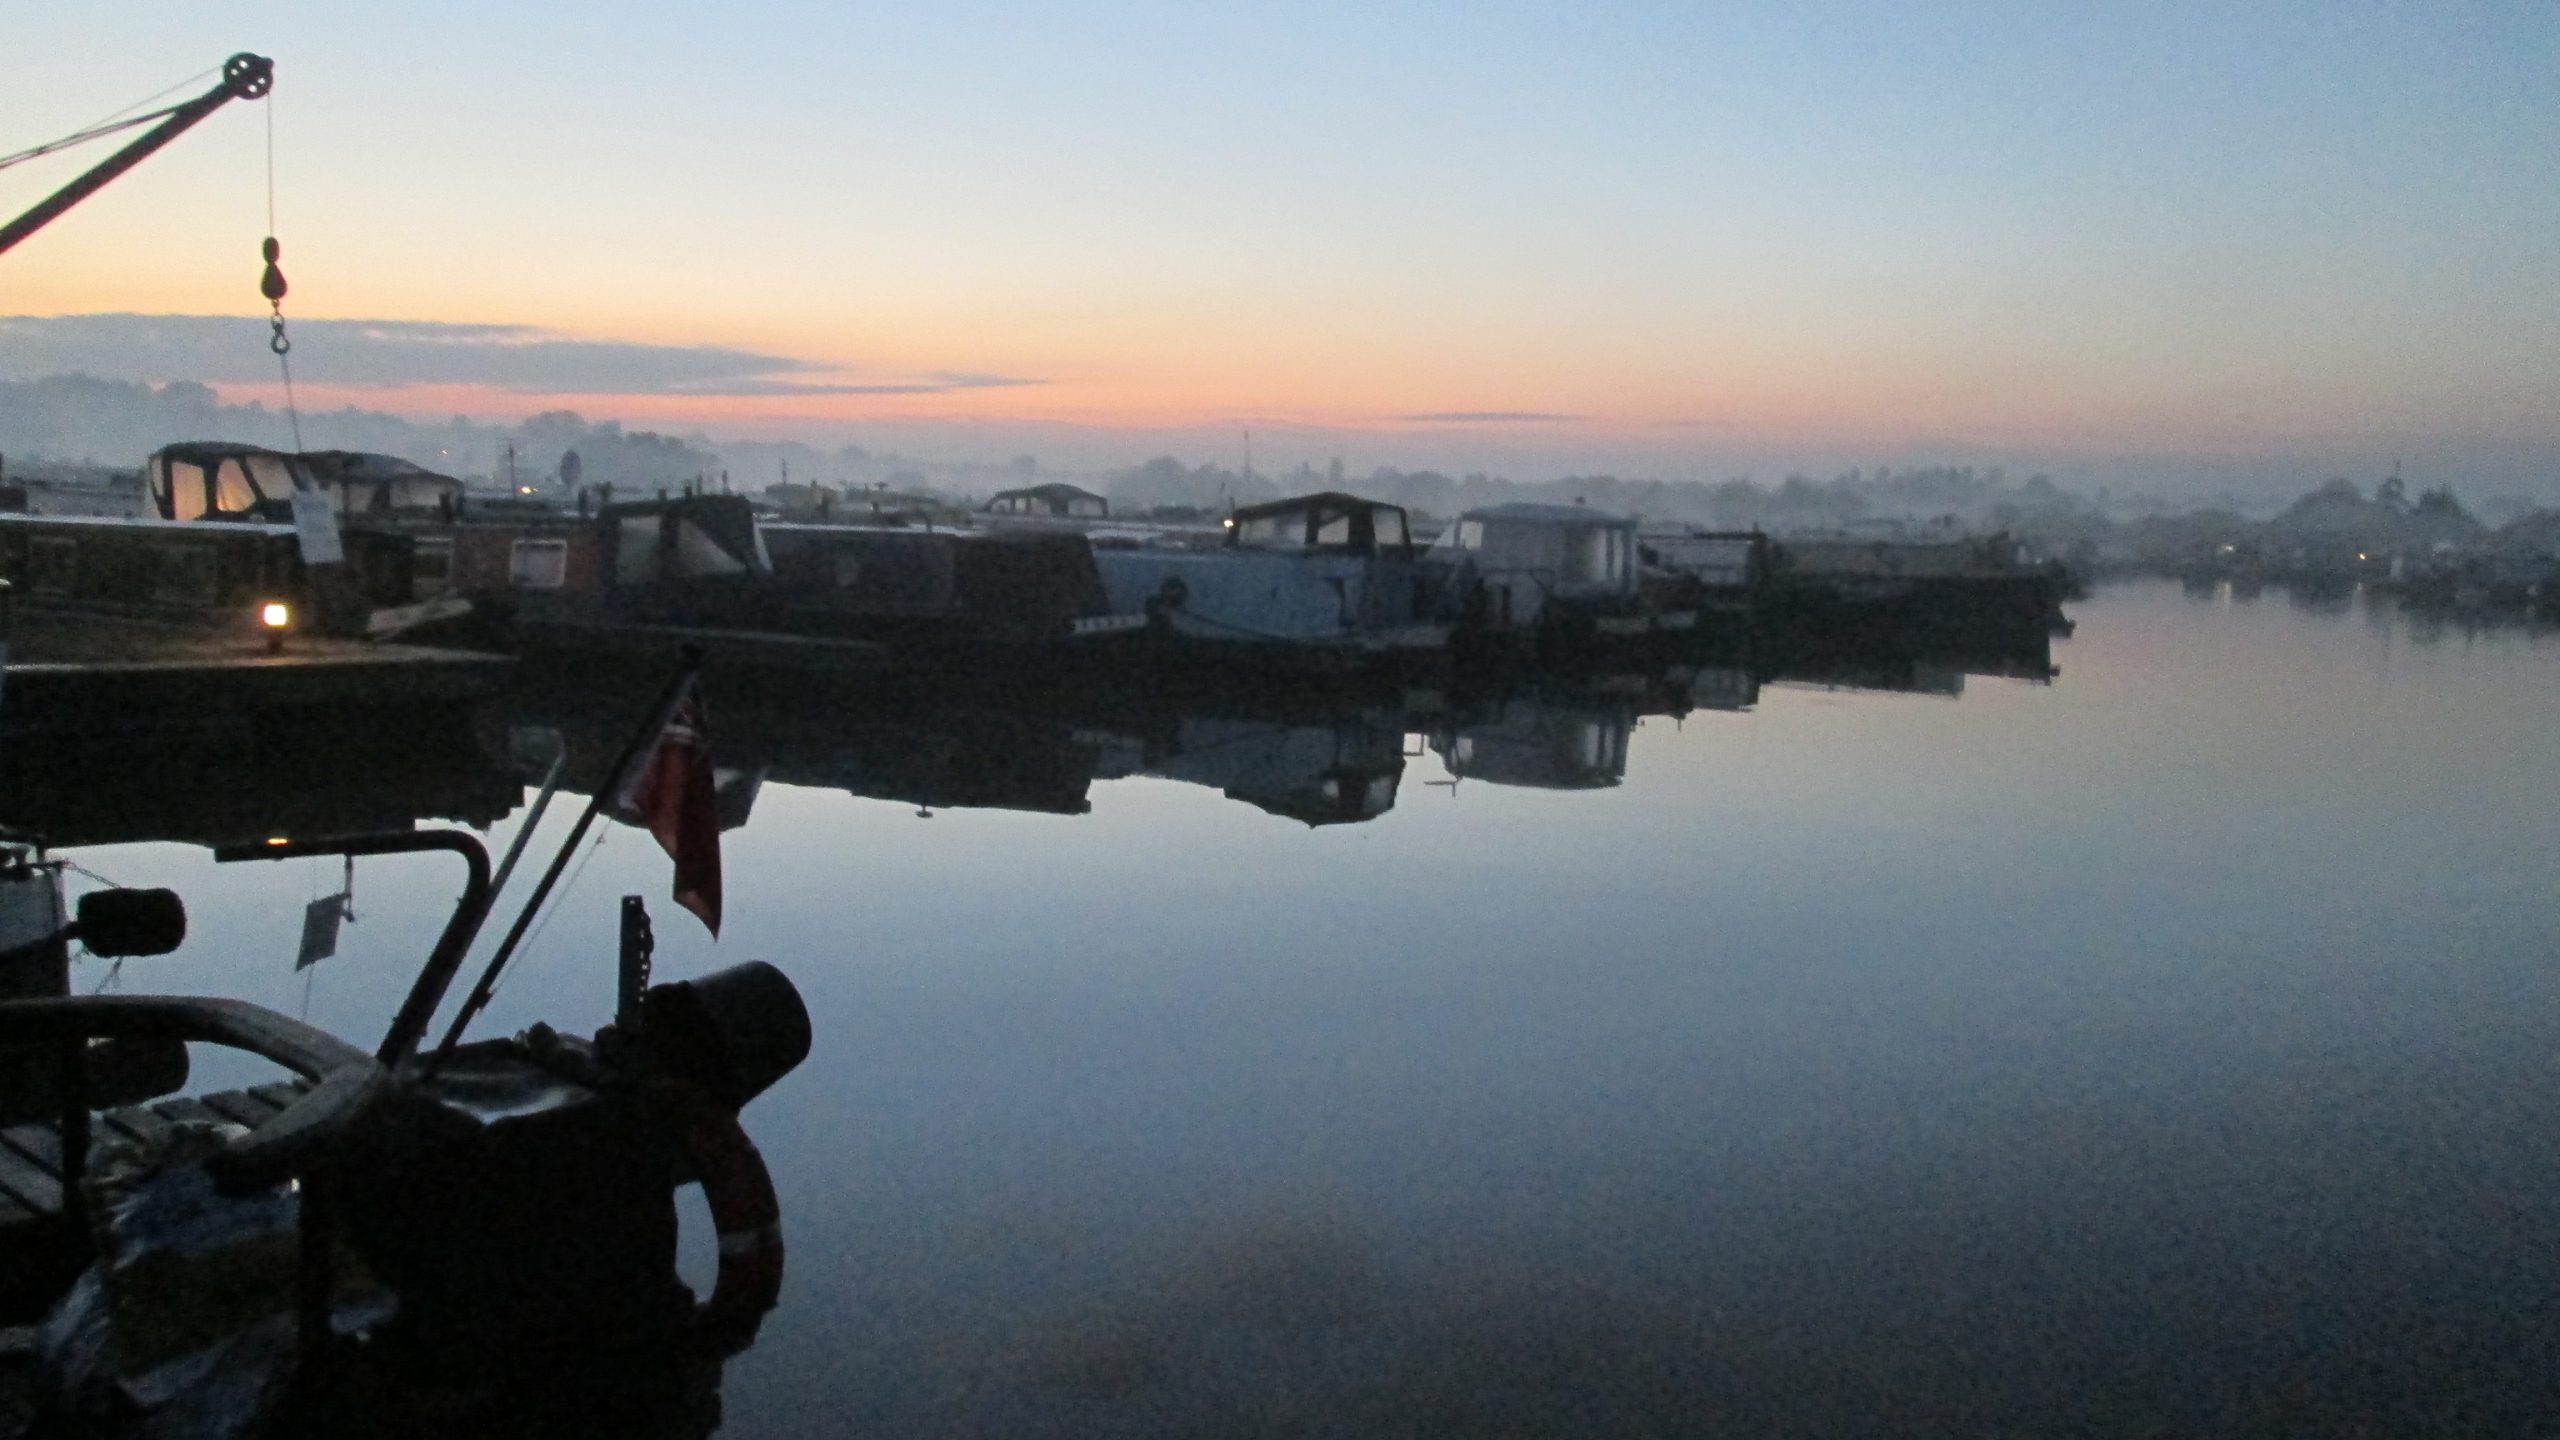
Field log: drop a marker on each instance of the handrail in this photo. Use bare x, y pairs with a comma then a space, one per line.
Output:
443, 962
303, 1049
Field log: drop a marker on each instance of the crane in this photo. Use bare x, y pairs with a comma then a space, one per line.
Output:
244, 77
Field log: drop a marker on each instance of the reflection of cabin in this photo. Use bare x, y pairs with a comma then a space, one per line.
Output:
1342, 771
1540, 745
1721, 687
1068, 502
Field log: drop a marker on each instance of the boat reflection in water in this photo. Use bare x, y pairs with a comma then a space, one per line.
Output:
1327, 763
1576, 738
246, 780
1323, 758
1338, 770
1542, 742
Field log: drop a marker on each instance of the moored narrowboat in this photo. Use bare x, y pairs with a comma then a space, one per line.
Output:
1323, 580
1562, 579
224, 540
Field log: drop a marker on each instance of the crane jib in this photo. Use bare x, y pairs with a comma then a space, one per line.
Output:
244, 77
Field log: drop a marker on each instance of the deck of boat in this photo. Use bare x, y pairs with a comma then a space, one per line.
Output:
35, 1260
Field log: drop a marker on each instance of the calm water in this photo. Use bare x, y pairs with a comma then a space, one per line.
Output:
2168, 1049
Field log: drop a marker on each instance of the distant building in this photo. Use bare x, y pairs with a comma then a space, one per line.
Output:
1055, 498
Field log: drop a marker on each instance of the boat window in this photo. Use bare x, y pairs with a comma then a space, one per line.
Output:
1593, 752
431, 569
538, 564
1594, 555
1389, 526
1470, 534
188, 491
232, 492
532, 748
635, 559
1334, 529
270, 476
1274, 532
698, 554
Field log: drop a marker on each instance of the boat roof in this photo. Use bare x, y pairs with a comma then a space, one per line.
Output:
199, 451
1051, 490
339, 466
1321, 499
1539, 513
367, 465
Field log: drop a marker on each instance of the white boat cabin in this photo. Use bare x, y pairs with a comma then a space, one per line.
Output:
1522, 561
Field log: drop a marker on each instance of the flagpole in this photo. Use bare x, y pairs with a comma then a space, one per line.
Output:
642, 741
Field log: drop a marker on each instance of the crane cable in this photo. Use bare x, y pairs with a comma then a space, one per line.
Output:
110, 124
271, 285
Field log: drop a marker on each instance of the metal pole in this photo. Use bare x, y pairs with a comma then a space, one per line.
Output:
640, 743
244, 77
532, 819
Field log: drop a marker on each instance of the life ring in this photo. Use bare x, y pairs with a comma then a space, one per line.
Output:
749, 1219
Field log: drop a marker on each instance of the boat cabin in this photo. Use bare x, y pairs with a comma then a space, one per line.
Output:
1327, 571
223, 481
555, 563
1521, 566
164, 566
1055, 499
1344, 524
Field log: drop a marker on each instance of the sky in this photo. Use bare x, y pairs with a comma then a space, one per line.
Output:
2174, 242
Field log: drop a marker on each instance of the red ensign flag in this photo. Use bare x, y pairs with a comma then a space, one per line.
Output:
674, 798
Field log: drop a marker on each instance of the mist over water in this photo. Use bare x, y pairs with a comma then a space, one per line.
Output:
2166, 1049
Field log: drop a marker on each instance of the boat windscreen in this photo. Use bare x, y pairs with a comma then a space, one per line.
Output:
270, 476
1286, 531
